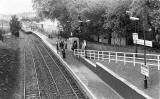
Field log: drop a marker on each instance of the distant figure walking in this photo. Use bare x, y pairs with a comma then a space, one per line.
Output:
61, 44
65, 44
1, 35
57, 46
63, 53
84, 45
74, 45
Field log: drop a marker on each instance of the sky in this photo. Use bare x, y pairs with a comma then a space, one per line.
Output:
15, 6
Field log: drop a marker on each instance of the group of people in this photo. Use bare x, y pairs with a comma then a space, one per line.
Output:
61, 46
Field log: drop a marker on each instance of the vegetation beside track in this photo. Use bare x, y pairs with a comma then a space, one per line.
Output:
9, 67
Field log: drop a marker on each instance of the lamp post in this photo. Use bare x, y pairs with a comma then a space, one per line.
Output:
81, 22
69, 28
144, 17
134, 19
144, 34
2, 29
2, 24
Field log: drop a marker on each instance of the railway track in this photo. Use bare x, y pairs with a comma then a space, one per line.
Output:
77, 90
44, 75
66, 85
31, 83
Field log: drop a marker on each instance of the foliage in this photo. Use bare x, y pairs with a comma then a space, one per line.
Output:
149, 13
107, 16
117, 21
37, 19
1, 34
69, 10
49, 8
15, 26
116, 18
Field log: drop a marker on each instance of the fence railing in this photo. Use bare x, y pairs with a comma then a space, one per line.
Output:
152, 60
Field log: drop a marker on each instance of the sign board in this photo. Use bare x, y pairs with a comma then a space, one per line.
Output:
135, 36
141, 42
145, 70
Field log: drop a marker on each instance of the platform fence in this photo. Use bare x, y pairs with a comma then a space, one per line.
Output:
152, 60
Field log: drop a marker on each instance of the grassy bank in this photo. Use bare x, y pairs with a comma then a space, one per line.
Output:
9, 67
106, 47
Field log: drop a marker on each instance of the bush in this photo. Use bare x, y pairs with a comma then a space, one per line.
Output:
1, 34
15, 26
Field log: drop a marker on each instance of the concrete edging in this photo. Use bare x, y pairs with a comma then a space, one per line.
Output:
115, 75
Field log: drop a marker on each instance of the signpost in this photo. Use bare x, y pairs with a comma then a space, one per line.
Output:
145, 70
135, 36
141, 42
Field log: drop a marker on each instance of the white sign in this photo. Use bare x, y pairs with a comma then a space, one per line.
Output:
135, 36
145, 70
141, 42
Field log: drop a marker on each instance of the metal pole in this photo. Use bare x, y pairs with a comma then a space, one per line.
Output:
2, 24
136, 40
2, 31
144, 17
144, 45
136, 49
58, 34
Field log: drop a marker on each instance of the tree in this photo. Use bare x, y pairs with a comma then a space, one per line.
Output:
104, 14
152, 18
50, 8
116, 20
15, 26
94, 11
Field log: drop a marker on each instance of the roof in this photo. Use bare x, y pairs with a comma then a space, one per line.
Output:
47, 22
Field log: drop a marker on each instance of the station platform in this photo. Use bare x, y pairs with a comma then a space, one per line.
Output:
93, 85
98, 81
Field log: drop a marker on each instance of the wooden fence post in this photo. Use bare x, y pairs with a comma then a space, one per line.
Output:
109, 56
134, 59
102, 56
98, 55
124, 58
116, 57
158, 62
94, 55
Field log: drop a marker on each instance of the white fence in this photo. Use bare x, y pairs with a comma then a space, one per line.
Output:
152, 60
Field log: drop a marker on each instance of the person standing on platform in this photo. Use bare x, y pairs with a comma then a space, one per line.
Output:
84, 47
74, 46
57, 45
65, 44
61, 44
63, 53
84, 44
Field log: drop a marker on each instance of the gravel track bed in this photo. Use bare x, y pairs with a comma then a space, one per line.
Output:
45, 76
47, 88
61, 84
31, 87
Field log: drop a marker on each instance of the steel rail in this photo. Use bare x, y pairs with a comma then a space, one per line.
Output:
60, 70
49, 71
39, 93
24, 76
